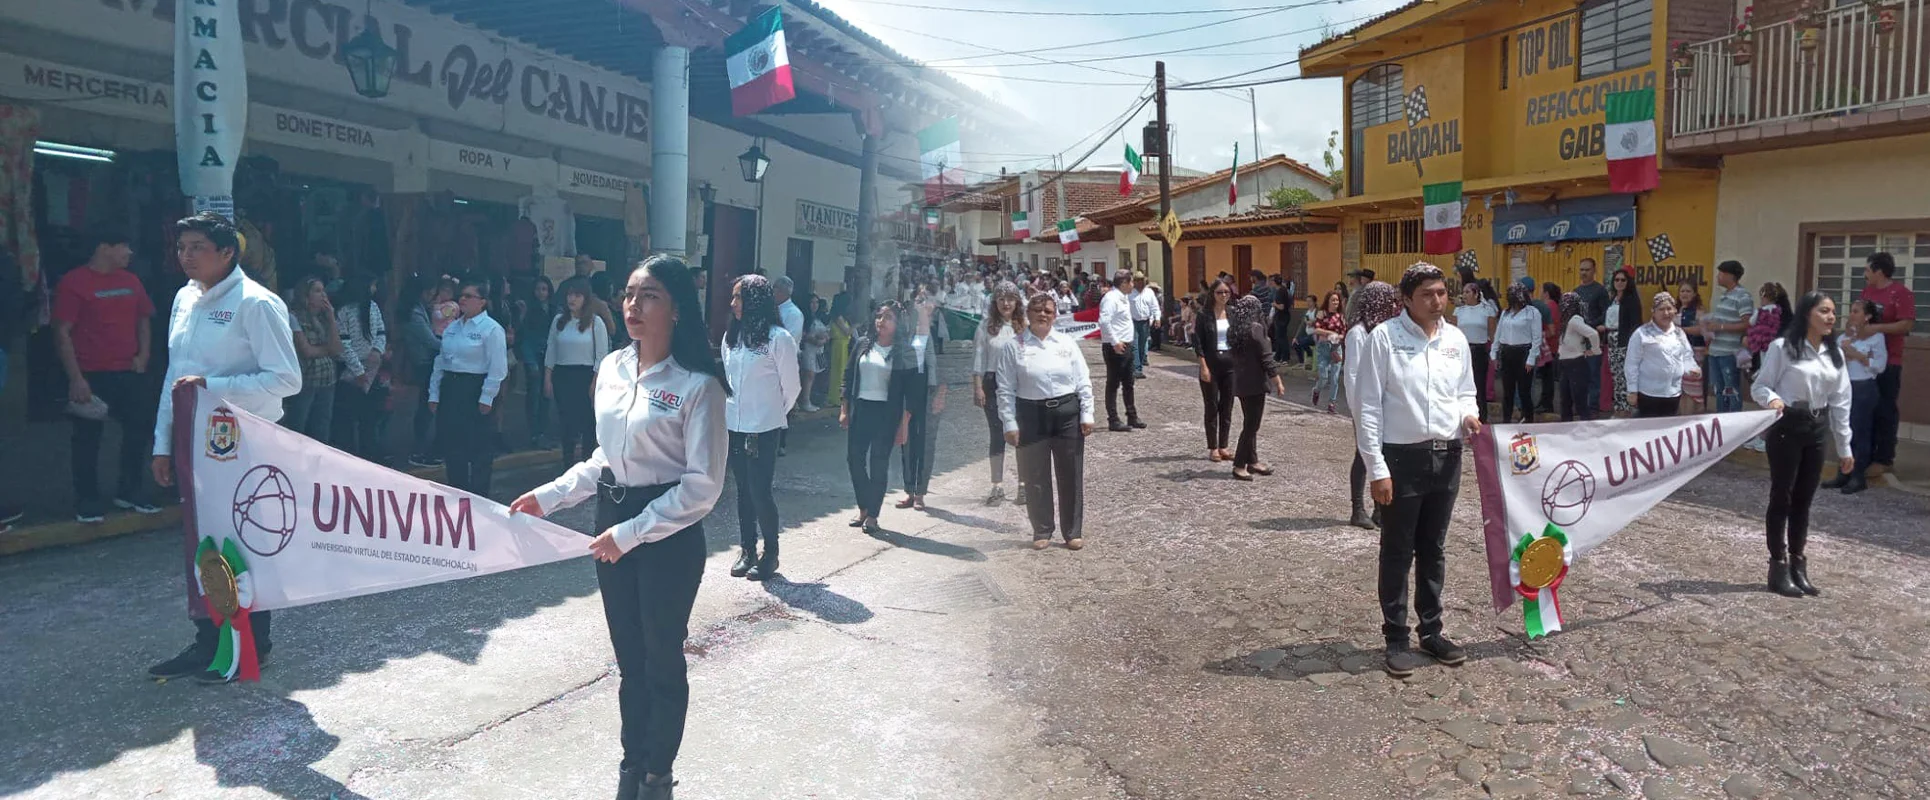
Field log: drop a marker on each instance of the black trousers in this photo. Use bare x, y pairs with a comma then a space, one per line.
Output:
574, 390
1480, 364
1575, 382
1413, 534
1517, 383
1863, 400
1652, 406
1357, 480
1052, 450
1217, 396
868, 451
989, 383
1547, 376
465, 436
424, 420
753, 460
357, 411
128, 403
1119, 375
916, 458
1889, 387
1248, 452
647, 598
1795, 448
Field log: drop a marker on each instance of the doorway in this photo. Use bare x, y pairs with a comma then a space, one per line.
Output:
797, 266
733, 240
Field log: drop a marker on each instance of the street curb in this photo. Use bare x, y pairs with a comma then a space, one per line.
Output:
28, 538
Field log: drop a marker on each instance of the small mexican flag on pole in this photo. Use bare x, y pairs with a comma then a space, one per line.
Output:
1629, 141
759, 68
1021, 225
1069, 235
1129, 175
938, 158
1233, 183
1441, 218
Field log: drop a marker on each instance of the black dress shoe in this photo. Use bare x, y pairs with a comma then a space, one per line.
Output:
766, 567
629, 784
1135, 423
1779, 581
1117, 427
746, 558
1400, 661
655, 787
1841, 480
1799, 575
1856, 484
1444, 650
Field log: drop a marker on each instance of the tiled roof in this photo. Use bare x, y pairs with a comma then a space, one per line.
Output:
1260, 221
1365, 25
1138, 209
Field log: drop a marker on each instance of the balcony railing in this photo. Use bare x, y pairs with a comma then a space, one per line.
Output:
1860, 57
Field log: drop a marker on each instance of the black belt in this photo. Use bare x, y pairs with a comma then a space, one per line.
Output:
609, 489
1052, 402
1430, 446
1805, 412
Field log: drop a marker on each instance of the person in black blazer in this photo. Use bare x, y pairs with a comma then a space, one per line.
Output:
1251, 355
1212, 342
886, 373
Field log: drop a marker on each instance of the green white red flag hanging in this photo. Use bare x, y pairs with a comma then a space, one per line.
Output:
938, 159
1233, 181
758, 66
1441, 218
229, 590
1129, 174
1629, 141
1536, 567
1069, 235
1021, 225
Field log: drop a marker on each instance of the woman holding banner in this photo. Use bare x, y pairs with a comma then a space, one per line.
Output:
1803, 376
657, 471
1659, 358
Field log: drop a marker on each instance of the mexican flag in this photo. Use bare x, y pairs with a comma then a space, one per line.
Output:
938, 159
1441, 218
1630, 141
759, 68
1021, 225
1069, 235
1129, 175
931, 218
1233, 183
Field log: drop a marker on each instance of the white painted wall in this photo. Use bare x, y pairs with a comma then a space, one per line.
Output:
1763, 197
1211, 200
794, 175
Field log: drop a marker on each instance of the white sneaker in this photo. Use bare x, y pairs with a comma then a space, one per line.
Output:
808, 408
1756, 445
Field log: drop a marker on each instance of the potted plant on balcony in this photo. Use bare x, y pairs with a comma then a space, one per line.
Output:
1742, 46
1681, 61
1810, 17
1882, 16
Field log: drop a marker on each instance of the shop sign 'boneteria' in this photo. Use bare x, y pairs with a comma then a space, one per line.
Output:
444, 69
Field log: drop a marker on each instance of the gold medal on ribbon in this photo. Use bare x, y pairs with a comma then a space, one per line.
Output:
218, 582
1541, 563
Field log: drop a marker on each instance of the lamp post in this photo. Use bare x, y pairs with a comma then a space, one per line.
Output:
370, 61
754, 164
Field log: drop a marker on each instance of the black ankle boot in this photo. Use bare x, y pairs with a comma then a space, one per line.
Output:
1779, 579
629, 784
766, 567
746, 558
1361, 520
655, 787
1841, 480
1799, 575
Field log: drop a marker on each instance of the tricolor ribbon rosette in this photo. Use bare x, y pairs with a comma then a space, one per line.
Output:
1536, 568
229, 589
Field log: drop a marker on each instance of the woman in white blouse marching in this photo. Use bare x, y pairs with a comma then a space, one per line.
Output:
578, 340
1803, 376
1515, 349
462, 389
657, 471
760, 360
874, 409
1214, 348
1659, 357
1045, 404
1867, 357
1002, 322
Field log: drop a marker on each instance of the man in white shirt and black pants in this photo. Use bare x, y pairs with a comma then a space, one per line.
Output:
231, 335
1145, 312
1416, 398
792, 318
1116, 337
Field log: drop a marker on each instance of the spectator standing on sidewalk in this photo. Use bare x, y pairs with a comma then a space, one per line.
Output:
422, 343
1623, 317
311, 411
1251, 376
1594, 297
1899, 309
1866, 354
1724, 326
101, 316
1477, 316
1374, 304
1579, 342
1116, 340
468, 374
1659, 359
792, 318
1145, 309
361, 394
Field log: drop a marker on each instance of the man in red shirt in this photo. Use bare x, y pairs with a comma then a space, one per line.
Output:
1900, 315
101, 326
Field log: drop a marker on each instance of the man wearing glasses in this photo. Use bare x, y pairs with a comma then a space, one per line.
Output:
230, 335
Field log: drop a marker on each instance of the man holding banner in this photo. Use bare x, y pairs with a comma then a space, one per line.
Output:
230, 335
1416, 397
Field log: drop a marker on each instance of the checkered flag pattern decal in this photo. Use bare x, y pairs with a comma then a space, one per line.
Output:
1467, 260
1660, 248
1416, 106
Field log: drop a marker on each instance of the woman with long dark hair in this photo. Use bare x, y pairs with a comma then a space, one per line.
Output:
1045, 408
760, 361
361, 394
1516, 349
1804, 378
1624, 316
468, 373
1003, 319
1688, 299
924, 401
1330, 331
1252, 372
1477, 317
1213, 342
874, 408
1375, 303
1579, 341
1659, 359
318, 344
575, 344
656, 472
1866, 354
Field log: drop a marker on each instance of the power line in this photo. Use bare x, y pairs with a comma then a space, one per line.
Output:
1078, 60
1057, 48
1041, 59
1003, 12
1215, 85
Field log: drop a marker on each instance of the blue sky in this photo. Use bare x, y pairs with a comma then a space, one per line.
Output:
1294, 117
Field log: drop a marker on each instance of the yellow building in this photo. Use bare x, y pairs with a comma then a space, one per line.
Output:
1507, 98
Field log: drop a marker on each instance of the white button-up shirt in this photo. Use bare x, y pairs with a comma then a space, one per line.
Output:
764, 383
1520, 327
792, 318
1657, 360
1031, 368
1814, 382
986, 349
1876, 348
574, 347
1579, 339
477, 346
1352, 347
1145, 305
663, 424
1412, 388
1115, 318
1473, 320
236, 335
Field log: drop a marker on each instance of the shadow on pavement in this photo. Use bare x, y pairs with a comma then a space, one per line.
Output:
1298, 524
1327, 661
927, 546
1670, 590
819, 601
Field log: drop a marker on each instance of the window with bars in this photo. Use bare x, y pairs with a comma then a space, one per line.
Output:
1840, 260
1615, 36
1377, 96
1390, 236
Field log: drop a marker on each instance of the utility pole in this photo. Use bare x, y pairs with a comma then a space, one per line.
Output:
1253, 101
1165, 180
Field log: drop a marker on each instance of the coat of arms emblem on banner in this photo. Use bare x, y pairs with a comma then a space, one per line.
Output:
224, 435
1524, 456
